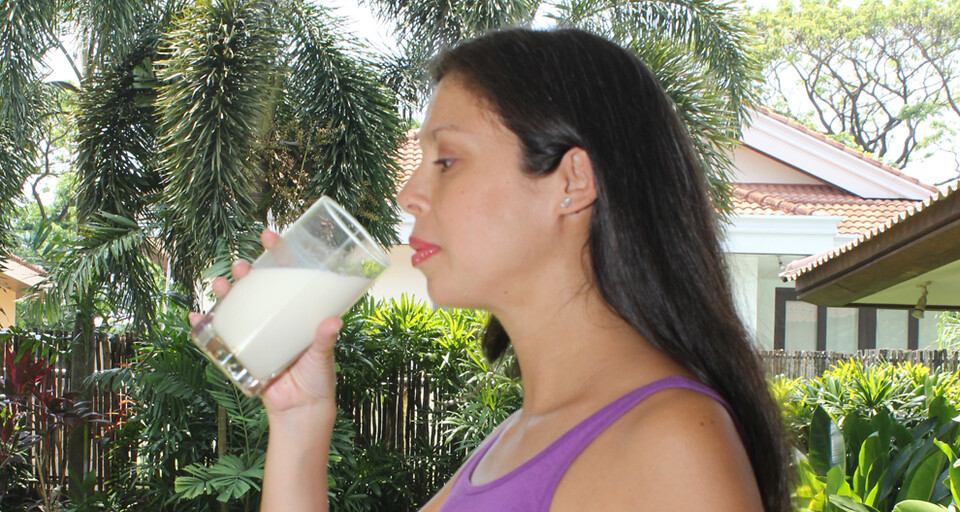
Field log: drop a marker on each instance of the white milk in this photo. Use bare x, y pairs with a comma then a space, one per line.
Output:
271, 315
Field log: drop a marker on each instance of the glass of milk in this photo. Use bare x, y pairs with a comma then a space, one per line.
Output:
321, 266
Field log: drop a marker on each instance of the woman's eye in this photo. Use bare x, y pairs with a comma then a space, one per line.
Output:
444, 163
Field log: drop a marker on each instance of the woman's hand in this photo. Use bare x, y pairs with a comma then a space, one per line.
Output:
301, 409
308, 384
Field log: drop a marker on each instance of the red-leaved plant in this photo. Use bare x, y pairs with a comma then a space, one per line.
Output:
32, 410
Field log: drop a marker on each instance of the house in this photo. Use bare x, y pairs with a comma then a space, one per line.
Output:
16, 276
796, 193
911, 262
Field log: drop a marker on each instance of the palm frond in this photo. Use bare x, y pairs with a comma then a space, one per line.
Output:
110, 258
116, 164
701, 104
25, 28
110, 27
16, 163
429, 25
217, 82
711, 30
24, 37
335, 95
433, 24
405, 73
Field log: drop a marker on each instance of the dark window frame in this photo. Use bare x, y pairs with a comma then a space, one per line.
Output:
866, 324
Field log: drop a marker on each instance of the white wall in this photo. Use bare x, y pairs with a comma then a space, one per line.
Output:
752, 166
401, 278
753, 281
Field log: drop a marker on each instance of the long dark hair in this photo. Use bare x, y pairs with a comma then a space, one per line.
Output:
653, 233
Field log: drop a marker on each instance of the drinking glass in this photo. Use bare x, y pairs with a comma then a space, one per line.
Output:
320, 267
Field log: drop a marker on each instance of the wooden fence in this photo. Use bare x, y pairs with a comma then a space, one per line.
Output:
810, 364
49, 455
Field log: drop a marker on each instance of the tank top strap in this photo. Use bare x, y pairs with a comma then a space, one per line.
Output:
532, 485
466, 471
566, 449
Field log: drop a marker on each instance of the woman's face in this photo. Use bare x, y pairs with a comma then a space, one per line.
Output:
482, 226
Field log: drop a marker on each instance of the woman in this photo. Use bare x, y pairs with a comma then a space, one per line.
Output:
559, 192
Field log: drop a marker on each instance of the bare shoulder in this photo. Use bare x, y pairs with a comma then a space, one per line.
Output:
677, 450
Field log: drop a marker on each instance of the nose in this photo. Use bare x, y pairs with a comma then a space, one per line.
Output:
411, 197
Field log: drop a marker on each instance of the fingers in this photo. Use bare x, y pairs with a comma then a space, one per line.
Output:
194, 317
220, 287
240, 269
269, 238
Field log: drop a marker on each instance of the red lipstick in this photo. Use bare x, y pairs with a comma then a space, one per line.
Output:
423, 250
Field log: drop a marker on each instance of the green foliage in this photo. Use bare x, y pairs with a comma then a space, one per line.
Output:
402, 355
230, 478
34, 410
216, 83
347, 128
116, 140
948, 328
390, 355
875, 438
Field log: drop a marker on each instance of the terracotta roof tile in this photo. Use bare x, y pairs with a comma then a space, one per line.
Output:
842, 147
409, 156
858, 214
799, 267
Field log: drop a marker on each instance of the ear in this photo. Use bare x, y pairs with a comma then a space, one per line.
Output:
575, 175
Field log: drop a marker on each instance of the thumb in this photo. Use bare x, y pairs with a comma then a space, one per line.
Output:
315, 372
322, 348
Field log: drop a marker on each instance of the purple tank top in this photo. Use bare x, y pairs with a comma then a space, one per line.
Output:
530, 487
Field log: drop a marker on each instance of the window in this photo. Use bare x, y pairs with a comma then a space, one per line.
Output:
802, 326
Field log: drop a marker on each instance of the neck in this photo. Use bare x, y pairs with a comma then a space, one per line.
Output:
577, 349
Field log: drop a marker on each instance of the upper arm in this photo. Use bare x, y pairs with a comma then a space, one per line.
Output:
678, 450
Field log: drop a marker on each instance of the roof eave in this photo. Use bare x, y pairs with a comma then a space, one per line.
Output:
914, 246
811, 153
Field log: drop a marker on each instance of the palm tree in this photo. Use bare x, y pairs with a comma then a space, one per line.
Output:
193, 121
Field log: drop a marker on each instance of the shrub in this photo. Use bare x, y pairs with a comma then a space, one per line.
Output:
874, 438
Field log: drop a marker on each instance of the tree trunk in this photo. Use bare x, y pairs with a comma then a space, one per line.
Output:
81, 360
222, 441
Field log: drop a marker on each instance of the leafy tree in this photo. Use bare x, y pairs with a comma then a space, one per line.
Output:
883, 76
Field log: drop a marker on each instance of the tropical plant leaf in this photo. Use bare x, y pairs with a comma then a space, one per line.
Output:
920, 479
848, 504
826, 443
918, 506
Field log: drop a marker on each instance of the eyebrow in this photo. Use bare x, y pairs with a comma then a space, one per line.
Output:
446, 127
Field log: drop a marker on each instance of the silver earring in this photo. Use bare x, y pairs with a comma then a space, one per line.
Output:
565, 203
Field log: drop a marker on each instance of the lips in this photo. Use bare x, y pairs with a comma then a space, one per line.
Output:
424, 250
